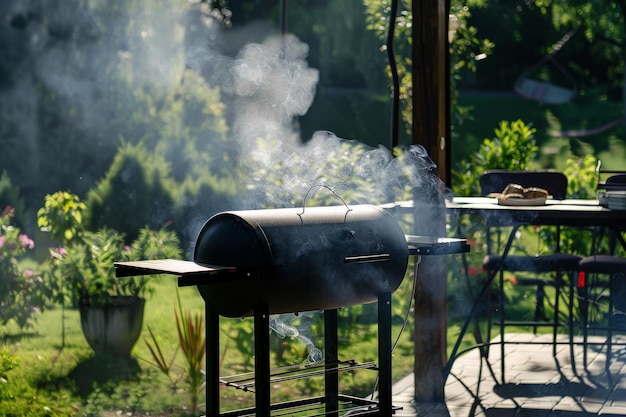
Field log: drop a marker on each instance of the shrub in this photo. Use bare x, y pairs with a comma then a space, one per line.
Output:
134, 193
512, 148
22, 292
10, 196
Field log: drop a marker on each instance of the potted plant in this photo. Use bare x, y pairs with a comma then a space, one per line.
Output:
111, 309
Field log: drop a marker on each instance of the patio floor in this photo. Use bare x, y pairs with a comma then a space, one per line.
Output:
536, 385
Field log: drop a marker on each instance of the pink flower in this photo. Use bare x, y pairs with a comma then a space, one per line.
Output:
62, 251
26, 241
28, 272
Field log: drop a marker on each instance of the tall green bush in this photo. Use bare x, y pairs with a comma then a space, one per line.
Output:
135, 192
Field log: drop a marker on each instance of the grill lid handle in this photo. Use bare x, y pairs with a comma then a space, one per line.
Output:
363, 259
348, 209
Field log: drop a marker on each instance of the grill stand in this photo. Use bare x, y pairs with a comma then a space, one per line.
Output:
191, 273
383, 407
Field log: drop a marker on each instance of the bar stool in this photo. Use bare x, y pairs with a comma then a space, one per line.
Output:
602, 301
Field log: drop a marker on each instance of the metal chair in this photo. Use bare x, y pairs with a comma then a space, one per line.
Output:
614, 182
546, 270
602, 300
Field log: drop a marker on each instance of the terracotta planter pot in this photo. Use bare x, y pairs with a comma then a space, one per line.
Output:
114, 328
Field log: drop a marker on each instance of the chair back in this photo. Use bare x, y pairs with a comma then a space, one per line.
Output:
617, 179
494, 181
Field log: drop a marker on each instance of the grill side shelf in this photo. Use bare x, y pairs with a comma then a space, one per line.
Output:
430, 245
168, 266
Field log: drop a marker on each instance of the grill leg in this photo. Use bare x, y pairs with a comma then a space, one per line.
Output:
384, 355
331, 359
262, 359
212, 362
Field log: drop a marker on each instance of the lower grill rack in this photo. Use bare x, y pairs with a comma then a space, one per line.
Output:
246, 381
312, 406
315, 406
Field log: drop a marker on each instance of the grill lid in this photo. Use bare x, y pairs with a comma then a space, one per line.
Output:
316, 258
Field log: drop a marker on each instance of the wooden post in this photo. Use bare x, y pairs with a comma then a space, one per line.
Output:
431, 84
431, 129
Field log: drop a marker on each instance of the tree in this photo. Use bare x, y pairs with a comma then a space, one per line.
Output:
603, 23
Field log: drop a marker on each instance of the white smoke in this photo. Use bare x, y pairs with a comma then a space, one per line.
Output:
279, 324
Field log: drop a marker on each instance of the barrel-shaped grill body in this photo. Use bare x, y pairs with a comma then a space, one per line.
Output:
317, 258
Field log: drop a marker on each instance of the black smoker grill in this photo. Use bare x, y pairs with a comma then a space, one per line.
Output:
262, 262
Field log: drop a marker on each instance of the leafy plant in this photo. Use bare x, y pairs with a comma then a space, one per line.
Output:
582, 177
10, 196
512, 148
82, 271
23, 292
86, 266
62, 216
8, 361
192, 344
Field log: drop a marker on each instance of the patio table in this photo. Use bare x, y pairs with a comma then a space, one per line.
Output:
569, 212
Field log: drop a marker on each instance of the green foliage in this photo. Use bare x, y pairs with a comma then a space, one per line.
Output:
582, 177
10, 196
62, 216
162, 364
192, 344
241, 333
512, 148
8, 361
193, 138
135, 192
19, 398
602, 23
582, 181
23, 293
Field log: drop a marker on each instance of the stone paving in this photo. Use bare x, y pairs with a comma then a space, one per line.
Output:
536, 383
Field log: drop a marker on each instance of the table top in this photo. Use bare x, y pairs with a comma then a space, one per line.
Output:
569, 212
